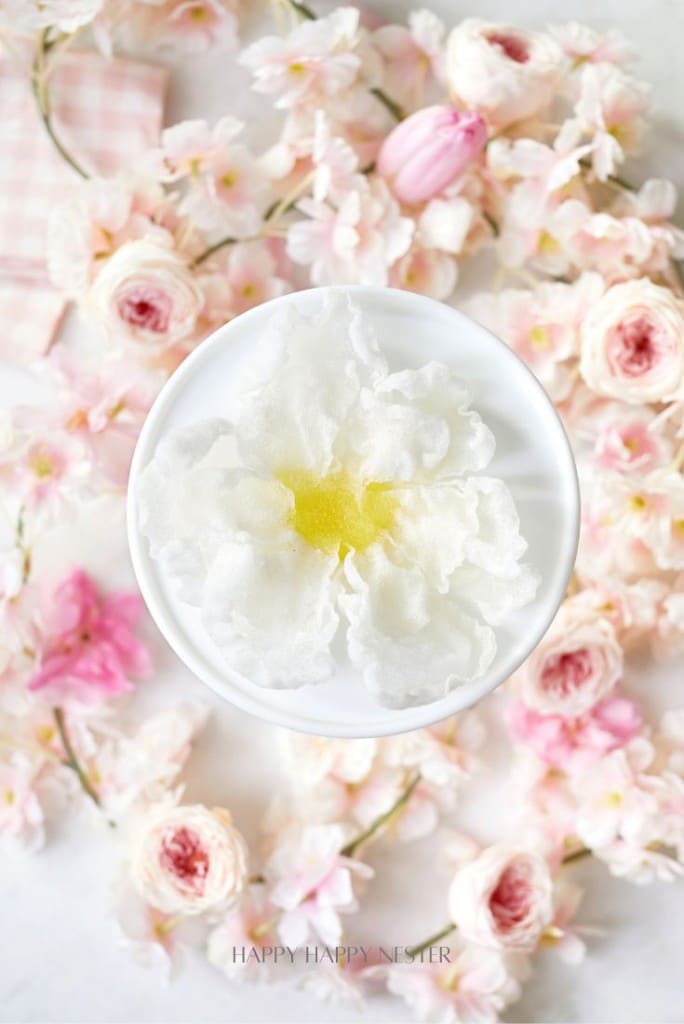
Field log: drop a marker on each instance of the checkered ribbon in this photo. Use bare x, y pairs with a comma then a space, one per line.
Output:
105, 112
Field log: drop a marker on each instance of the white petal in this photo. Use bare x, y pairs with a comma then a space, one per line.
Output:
494, 597
498, 544
311, 373
412, 644
436, 391
271, 611
431, 527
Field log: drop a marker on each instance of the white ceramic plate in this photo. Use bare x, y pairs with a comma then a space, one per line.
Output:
532, 456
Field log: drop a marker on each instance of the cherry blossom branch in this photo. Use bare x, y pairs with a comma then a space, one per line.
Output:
413, 951
71, 759
39, 85
350, 849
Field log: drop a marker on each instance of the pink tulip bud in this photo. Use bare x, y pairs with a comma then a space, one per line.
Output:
430, 150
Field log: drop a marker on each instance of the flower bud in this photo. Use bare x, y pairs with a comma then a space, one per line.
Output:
430, 150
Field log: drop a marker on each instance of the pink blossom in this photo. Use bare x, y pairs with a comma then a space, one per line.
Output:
627, 439
247, 277
542, 325
583, 45
191, 25
429, 150
230, 194
187, 146
474, 985
41, 460
357, 242
312, 883
249, 925
90, 650
316, 61
414, 56
572, 743
21, 813
425, 271
609, 111
617, 247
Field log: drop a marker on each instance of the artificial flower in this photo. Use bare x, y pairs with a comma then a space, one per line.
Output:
188, 860
353, 488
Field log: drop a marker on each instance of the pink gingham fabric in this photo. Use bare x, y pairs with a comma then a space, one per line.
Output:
104, 112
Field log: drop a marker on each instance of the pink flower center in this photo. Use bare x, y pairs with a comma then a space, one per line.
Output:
515, 48
147, 307
636, 346
510, 902
183, 855
564, 673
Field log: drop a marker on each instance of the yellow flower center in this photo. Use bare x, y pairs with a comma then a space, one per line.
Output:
548, 245
337, 514
637, 503
539, 337
42, 465
297, 68
228, 179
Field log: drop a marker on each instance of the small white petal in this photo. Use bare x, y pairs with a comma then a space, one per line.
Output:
498, 544
432, 526
271, 610
412, 644
290, 417
436, 391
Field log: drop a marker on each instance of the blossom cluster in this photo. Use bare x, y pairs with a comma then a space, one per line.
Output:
403, 150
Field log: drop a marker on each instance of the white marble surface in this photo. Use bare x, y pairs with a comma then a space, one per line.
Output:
59, 960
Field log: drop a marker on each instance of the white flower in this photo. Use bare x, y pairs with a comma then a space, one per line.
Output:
33, 16
502, 899
188, 860
575, 665
340, 491
633, 344
503, 72
147, 292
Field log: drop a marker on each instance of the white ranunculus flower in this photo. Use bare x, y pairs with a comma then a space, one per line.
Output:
501, 71
633, 344
339, 492
147, 291
502, 899
188, 860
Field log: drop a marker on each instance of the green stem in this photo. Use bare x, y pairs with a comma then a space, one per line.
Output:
388, 103
40, 91
350, 849
492, 223
437, 937
71, 759
580, 854
302, 10
206, 253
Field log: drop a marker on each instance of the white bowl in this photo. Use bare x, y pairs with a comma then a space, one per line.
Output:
532, 455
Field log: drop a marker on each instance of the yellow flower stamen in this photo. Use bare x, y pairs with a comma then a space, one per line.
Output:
337, 514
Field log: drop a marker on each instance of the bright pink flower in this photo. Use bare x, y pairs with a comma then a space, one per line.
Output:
573, 743
430, 150
91, 650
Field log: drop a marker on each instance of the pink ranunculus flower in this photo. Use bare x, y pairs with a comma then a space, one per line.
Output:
504, 72
502, 899
429, 150
572, 743
576, 664
90, 650
147, 292
188, 860
633, 344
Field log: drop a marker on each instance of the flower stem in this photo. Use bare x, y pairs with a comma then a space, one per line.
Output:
39, 85
413, 951
350, 849
388, 103
302, 10
71, 759
576, 855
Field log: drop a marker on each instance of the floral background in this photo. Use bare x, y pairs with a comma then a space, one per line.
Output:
116, 762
